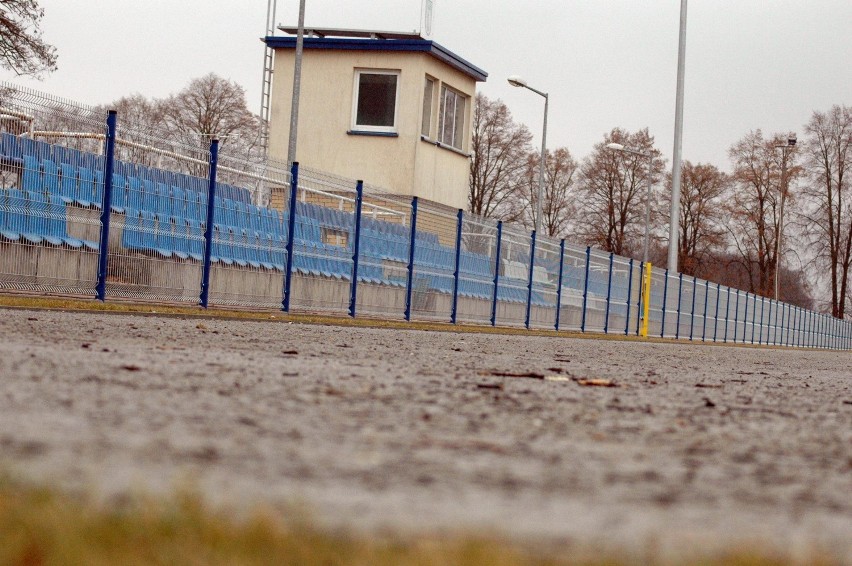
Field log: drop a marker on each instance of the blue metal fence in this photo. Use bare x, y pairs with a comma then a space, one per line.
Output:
87, 212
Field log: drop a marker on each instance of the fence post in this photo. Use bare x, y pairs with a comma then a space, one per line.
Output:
586, 289
704, 318
679, 299
608, 293
665, 302
629, 292
411, 245
753, 314
646, 300
530, 279
737, 315
716, 315
640, 303
353, 287
291, 235
783, 339
762, 308
456, 272
727, 313
692, 312
208, 228
106, 206
496, 273
559, 282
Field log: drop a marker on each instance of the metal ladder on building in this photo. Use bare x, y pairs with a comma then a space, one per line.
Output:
266, 89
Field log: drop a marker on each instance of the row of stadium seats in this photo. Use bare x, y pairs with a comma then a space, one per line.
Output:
36, 219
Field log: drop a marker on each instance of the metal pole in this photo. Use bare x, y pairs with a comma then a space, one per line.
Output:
629, 292
411, 246
679, 301
291, 235
530, 279
356, 247
457, 269
540, 196
780, 217
496, 273
297, 85
648, 210
586, 289
559, 282
608, 293
674, 220
106, 206
211, 218
665, 305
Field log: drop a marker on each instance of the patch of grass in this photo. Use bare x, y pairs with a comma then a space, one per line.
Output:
41, 526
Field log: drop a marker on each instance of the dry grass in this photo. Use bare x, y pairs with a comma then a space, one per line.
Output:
182, 311
43, 527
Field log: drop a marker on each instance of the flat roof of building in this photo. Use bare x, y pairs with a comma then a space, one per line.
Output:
365, 40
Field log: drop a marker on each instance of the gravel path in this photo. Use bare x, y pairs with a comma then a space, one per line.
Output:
413, 430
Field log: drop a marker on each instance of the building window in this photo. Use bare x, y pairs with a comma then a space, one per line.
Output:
375, 101
451, 118
428, 94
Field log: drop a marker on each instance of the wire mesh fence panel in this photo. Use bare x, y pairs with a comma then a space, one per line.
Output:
249, 248
573, 286
159, 196
384, 253
685, 317
323, 242
596, 291
476, 270
49, 231
620, 283
544, 284
434, 262
512, 289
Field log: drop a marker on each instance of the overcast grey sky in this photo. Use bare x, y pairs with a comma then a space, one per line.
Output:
750, 63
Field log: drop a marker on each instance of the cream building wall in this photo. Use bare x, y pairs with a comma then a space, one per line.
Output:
405, 164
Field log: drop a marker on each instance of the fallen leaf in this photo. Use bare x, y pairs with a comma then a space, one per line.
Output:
708, 402
498, 386
529, 374
595, 382
708, 386
556, 378
130, 367
290, 352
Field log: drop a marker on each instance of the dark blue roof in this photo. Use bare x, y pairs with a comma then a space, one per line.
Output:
410, 45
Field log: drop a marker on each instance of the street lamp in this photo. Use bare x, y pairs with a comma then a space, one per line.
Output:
517, 81
650, 157
785, 148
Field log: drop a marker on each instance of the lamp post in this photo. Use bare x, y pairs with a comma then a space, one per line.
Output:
517, 81
785, 148
674, 223
650, 157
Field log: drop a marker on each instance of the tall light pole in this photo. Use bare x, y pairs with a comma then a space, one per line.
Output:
674, 220
517, 81
785, 148
297, 86
650, 157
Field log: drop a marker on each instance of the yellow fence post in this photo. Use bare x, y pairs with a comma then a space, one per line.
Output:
646, 300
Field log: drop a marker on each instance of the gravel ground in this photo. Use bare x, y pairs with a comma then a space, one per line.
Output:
418, 431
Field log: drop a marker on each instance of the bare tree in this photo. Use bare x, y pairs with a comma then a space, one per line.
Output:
613, 185
22, 49
211, 107
499, 159
755, 206
701, 216
828, 159
559, 203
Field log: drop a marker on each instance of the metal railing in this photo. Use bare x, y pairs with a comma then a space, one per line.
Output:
109, 212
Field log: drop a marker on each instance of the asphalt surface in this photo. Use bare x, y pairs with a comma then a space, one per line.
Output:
616, 444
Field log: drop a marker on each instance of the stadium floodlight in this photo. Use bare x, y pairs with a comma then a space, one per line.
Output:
520, 82
785, 148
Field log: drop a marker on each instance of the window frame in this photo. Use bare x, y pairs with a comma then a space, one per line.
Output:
355, 127
431, 108
442, 108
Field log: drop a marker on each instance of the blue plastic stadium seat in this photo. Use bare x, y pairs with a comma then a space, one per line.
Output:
17, 216
178, 202
85, 186
134, 193
31, 175
195, 239
50, 176
149, 196
10, 146
37, 227
98, 199
119, 193
164, 200
163, 239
